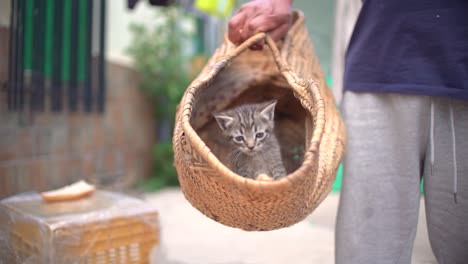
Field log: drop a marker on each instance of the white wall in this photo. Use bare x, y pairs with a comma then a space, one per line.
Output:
119, 17
346, 15
5, 12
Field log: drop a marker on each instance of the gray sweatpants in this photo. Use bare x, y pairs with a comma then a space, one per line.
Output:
392, 141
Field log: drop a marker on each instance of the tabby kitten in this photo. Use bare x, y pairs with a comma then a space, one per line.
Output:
255, 149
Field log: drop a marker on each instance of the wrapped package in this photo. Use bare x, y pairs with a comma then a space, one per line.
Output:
105, 227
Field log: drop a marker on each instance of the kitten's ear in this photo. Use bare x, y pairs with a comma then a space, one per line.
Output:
269, 110
224, 121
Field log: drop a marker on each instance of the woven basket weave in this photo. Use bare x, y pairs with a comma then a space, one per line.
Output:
308, 126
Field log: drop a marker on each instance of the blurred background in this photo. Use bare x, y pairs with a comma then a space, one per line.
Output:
88, 90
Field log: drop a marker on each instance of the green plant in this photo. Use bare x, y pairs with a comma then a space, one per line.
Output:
164, 174
160, 55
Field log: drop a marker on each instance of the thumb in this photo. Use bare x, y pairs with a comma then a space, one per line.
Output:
279, 32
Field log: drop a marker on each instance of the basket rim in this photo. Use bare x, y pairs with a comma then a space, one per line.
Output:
310, 155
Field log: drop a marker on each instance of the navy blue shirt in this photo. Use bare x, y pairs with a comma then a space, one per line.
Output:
410, 47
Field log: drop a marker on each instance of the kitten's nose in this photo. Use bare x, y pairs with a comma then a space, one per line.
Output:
250, 145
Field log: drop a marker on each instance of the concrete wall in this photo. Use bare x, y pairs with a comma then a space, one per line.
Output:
41, 151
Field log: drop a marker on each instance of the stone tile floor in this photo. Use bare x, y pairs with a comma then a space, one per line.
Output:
188, 237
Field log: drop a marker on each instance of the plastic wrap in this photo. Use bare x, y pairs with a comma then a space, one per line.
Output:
105, 227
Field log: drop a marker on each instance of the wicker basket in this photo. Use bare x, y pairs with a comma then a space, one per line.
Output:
104, 228
308, 126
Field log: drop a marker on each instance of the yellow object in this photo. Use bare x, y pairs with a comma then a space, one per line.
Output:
103, 228
219, 8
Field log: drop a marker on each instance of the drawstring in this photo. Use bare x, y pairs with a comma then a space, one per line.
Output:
432, 136
454, 152
454, 147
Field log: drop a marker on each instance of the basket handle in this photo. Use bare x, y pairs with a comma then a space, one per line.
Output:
254, 39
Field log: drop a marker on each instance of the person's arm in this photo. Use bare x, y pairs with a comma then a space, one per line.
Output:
272, 16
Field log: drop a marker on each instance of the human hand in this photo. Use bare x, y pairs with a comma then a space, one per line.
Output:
272, 16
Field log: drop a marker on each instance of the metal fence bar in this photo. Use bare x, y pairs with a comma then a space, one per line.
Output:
73, 84
56, 89
19, 72
87, 86
12, 57
37, 77
51, 41
66, 32
102, 67
48, 43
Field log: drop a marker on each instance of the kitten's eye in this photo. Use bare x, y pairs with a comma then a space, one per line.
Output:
239, 138
260, 135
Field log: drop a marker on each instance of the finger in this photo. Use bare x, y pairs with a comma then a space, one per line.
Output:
237, 23
235, 26
260, 23
280, 32
257, 22
245, 31
266, 23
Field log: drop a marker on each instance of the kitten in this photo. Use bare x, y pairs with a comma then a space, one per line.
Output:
255, 149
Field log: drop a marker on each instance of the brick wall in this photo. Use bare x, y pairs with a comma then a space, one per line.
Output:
40, 151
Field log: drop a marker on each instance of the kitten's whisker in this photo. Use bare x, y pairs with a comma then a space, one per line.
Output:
234, 155
237, 155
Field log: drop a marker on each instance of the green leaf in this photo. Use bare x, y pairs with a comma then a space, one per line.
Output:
159, 53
